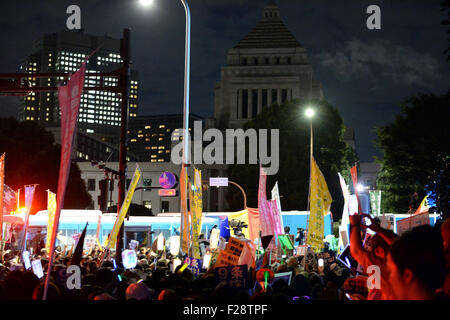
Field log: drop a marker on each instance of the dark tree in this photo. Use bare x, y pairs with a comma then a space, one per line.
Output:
414, 146
332, 155
32, 157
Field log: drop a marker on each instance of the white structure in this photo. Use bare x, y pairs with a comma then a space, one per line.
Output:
267, 66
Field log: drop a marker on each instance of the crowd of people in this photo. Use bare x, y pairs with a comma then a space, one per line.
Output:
414, 265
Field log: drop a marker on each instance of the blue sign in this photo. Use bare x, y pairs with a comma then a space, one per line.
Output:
224, 229
167, 180
235, 276
195, 265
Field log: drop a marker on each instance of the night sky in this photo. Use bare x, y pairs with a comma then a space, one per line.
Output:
364, 73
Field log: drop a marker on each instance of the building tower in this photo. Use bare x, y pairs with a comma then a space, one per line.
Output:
64, 52
267, 66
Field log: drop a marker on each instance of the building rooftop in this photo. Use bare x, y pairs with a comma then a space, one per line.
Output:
270, 32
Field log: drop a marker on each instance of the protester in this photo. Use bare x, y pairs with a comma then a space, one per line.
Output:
416, 265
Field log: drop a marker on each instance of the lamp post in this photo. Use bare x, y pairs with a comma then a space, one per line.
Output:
187, 62
309, 113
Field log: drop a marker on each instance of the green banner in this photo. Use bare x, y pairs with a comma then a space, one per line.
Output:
375, 202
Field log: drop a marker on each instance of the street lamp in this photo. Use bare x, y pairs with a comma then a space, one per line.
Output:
309, 113
187, 62
145, 3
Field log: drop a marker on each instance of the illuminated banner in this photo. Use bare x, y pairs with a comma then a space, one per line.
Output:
124, 208
2, 182
184, 226
319, 202
218, 182
265, 215
51, 208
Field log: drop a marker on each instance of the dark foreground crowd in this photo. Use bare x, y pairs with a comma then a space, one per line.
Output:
413, 266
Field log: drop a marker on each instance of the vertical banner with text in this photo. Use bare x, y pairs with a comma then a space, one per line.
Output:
354, 173
2, 183
197, 211
69, 97
375, 202
124, 209
51, 208
265, 216
276, 210
184, 225
320, 202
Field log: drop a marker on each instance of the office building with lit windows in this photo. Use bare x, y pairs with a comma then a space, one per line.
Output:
63, 52
150, 137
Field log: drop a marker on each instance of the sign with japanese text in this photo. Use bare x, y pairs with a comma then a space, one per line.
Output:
218, 182
235, 246
195, 265
235, 276
412, 222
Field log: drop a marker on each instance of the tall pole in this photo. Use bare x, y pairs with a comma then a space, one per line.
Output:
309, 189
187, 59
123, 83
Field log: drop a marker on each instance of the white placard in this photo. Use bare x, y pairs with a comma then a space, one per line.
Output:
218, 182
214, 239
174, 242
37, 268
133, 244
26, 259
129, 259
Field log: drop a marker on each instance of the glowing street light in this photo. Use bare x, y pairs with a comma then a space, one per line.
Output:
146, 3
360, 187
309, 113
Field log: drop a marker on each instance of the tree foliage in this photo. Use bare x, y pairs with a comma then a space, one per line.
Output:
332, 154
32, 157
413, 145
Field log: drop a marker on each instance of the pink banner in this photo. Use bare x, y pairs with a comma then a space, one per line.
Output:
265, 214
276, 217
69, 97
253, 223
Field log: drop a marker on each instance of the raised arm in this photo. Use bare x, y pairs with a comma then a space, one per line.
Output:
356, 248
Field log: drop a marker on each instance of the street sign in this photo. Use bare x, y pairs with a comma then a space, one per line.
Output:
167, 180
167, 192
218, 182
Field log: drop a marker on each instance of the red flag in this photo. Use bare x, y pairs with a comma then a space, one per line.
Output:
354, 173
69, 97
2, 182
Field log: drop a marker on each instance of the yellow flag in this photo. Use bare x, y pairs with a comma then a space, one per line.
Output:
51, 208
123, 209
185, 226
196, 211
319, 204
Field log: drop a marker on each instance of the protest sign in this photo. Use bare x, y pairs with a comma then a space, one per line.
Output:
214, 239
235, 246
328, 257
412, 222
301, 250
129, 259
133, 244
37, 268
226, 259
195, 265
234, 276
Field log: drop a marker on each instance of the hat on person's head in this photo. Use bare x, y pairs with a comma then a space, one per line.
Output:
139, 291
